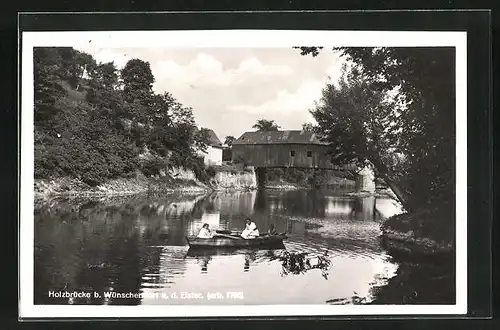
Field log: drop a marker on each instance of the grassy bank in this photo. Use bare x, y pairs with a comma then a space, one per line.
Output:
425, 232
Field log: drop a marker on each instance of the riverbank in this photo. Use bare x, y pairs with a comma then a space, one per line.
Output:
335, 182
71, 187
284, 185
421, 234
422, 243
175, 181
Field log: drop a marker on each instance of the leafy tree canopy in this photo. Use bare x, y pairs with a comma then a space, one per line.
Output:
308, 127
266, 125
229, 140
408, 94
95, 122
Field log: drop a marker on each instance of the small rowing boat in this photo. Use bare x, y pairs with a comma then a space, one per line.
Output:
234, 240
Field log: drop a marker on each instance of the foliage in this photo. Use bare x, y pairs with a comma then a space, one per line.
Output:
92, 121
52, 68
308, 127
274, 174
137, 82
417, 140
297, 263
266, 125
229, 140
314, 51
211, 171
303, 176
153, 166
355, 118
227, 151
198, 167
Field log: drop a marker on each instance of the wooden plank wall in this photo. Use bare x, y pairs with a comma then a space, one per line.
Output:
280, 155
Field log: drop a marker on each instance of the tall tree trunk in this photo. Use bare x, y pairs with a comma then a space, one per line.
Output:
396, 188
400, 193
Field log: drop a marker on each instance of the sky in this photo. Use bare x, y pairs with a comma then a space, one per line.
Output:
229, 89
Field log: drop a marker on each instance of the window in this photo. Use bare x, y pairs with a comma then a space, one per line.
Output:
309, 154
292, 153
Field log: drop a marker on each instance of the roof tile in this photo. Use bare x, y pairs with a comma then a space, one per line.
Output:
278, 137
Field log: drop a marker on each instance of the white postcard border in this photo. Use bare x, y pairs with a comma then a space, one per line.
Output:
231, 39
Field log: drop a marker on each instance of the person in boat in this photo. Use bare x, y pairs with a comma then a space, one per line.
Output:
272, 230
205, 232
251, 230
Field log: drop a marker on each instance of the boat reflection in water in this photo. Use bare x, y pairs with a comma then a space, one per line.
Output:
292, 263
249, 255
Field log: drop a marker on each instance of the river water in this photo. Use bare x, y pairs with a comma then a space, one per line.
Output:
132, 250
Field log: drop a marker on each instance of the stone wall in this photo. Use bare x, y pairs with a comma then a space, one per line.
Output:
238, 181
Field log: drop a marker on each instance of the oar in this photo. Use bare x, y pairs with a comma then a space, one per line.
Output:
223, 231
227, 232
229, 236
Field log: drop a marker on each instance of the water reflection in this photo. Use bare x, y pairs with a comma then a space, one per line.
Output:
137, 246
250, 255
87, 251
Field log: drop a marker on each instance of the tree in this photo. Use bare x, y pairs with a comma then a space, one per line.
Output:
179, 132
88, 127
229, 140
355, 119
423, 79
265, 125
138, 79
102, 91
201, 140
308, 127
47, 85
105, 74
56, 70
72, 64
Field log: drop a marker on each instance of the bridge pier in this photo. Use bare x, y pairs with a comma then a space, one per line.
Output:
365, 180
260, 174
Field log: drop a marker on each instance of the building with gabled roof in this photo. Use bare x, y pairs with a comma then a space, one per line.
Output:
213, 140
278, 137
213, 154
292, 148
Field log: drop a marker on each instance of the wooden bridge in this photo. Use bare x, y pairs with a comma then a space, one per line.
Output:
298, 149
286, 149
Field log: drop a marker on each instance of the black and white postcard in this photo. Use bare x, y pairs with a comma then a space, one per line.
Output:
243, 173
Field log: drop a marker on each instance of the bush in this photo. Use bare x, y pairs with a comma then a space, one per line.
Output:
93, 161
44, 167
153, 166
95, 169
211, 171
197, 165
